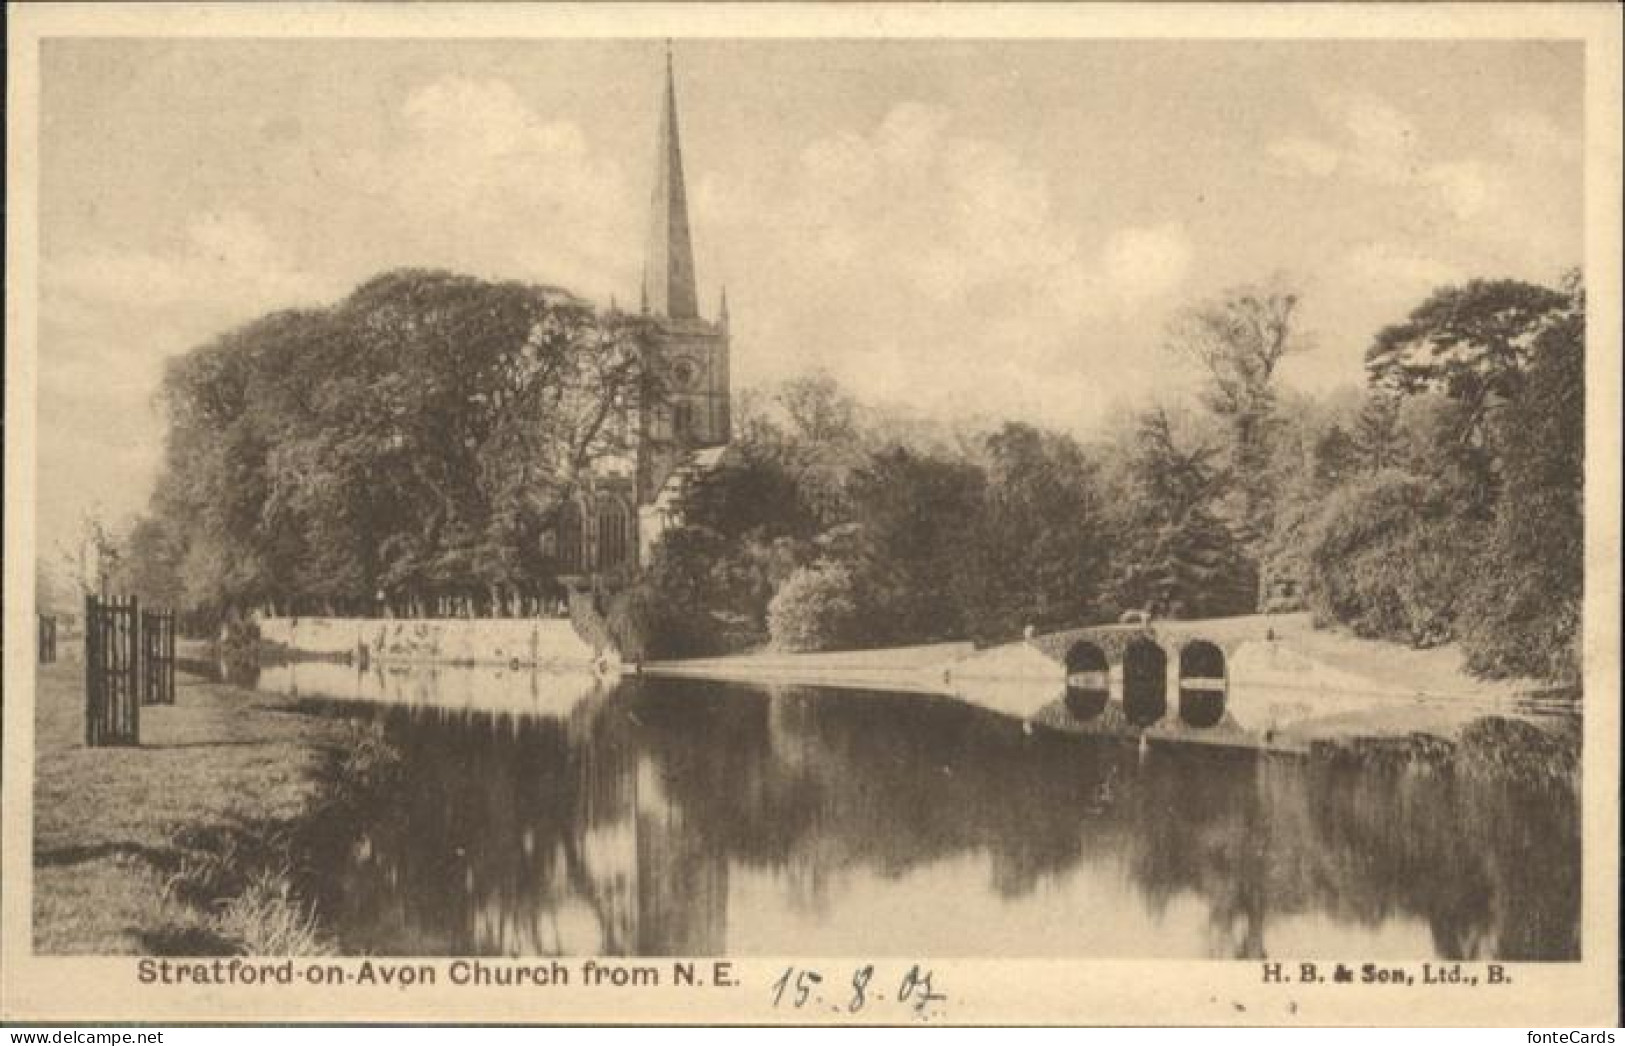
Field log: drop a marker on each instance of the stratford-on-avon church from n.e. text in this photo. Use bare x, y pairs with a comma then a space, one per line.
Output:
682, 425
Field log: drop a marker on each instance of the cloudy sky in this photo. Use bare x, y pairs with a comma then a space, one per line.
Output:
1001, 228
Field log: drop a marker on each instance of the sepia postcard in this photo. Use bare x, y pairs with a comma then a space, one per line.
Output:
812, 514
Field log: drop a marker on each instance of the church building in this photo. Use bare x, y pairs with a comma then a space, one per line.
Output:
682, 424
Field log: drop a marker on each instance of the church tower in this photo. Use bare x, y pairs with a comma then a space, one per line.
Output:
685, 417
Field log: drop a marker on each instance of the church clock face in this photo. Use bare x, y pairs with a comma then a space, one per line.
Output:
685, 373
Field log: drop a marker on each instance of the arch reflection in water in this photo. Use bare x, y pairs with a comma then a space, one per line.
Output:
1087, 681
684, 817
1145, 682
1202, 683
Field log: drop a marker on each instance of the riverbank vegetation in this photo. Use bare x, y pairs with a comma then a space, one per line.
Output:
205, 839
178, 846
415, 442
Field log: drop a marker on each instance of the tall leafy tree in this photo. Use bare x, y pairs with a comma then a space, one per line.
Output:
414, 440
917, 563
1239, 341
809, 427
1043, 533
1523, 611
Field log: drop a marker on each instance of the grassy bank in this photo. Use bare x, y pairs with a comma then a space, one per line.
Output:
185, 844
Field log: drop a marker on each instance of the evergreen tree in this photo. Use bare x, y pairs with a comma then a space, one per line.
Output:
1181, 559
1378, 438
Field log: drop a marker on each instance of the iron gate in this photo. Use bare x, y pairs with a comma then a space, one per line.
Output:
112, 671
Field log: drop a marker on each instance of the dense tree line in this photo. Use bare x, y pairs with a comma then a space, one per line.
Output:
1471, 525
414, 443
1440, 504
409, 445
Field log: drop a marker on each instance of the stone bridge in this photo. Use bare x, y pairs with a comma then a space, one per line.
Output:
1227, 634
1154, 674
1247, 681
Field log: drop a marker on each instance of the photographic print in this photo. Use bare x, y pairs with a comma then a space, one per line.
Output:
546, 514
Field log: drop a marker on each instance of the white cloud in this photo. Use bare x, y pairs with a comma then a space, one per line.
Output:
1535, 137
1374, 142
109, 319
1467, 188
468, 161
911, 133
1305, 156
915, 248
1378, 145
911, 207
1142, 263
226, 261
1396, 271
1382, 140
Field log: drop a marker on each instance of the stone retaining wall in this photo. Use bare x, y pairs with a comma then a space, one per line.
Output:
499, 641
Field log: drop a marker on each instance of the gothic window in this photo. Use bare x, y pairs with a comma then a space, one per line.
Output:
572, 540
615, 535
684, 421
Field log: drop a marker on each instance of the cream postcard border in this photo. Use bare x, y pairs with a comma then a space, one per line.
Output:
1005, 992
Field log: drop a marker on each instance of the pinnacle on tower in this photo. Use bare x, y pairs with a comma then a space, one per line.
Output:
669, 268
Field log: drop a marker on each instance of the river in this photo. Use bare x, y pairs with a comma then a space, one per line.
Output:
520, 813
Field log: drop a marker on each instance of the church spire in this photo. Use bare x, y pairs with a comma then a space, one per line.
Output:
670, 264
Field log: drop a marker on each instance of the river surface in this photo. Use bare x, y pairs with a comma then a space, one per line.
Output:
522, 813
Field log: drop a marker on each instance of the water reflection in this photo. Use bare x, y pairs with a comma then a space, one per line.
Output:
518, 690
687, 817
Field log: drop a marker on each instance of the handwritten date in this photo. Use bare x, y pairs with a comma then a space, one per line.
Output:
800, 987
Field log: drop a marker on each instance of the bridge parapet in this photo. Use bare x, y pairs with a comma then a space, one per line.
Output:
1229, 634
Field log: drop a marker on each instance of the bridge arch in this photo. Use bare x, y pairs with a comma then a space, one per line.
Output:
1203, 683
1087, 680
1145, 681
